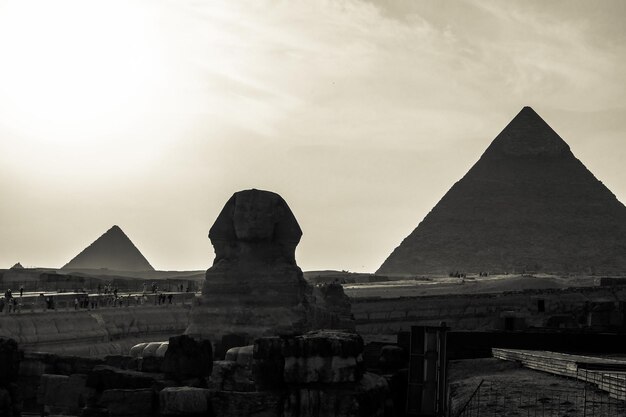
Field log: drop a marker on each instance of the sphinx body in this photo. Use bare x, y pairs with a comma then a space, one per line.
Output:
255, 288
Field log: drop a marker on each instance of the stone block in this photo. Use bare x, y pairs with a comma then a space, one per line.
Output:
68, 394
364, 399
268, 362
249, 404
323, 357
51, 389
230, 376
184, 400
324, 343
128, 402
151, 364
160, 352
392, 358
150, 349
118, 361
104, 377
68, 365
137, 350
241, 354
188, 358
322, 369
318, 402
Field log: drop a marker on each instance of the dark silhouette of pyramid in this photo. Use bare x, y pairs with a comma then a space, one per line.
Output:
528, 204
113, 250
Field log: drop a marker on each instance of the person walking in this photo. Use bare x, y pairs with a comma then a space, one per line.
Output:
8, 297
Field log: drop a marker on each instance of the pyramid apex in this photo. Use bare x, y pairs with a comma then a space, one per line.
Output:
528, 135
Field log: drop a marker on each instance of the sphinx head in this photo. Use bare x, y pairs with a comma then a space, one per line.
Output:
258, 218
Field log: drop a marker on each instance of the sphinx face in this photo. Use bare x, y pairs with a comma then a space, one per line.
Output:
255, 216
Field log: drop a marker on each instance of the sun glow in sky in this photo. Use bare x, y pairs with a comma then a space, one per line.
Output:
149, 114
80, 77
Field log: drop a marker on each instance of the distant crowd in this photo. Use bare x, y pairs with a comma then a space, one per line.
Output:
107, 296
458, 274
11, 303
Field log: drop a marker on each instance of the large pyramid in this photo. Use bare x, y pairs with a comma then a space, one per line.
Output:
527, 205
113, 250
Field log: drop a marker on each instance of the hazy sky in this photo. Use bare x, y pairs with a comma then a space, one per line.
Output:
149, 114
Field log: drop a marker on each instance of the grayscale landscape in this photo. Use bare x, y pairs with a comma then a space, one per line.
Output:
356, 208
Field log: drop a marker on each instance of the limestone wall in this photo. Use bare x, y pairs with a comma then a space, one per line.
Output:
94, 332
597, 307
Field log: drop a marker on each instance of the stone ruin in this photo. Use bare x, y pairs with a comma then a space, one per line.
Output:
317, 374
255, 288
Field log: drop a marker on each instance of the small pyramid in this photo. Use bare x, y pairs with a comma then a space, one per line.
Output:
113, 250
17, 266
528, 204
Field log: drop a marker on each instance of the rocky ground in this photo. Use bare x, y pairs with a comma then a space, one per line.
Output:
509, 390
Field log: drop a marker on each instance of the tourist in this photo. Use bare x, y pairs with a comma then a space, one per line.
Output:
1, 304
75, 303
21, 290
169, 298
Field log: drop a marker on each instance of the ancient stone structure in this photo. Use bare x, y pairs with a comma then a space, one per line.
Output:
322, 373
113, 250
255, 287
527, 205
311, 375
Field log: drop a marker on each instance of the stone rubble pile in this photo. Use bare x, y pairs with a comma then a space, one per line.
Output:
319, 373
